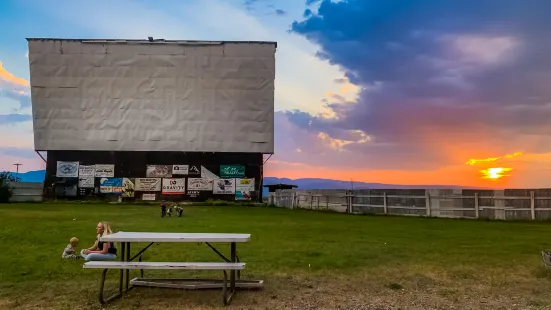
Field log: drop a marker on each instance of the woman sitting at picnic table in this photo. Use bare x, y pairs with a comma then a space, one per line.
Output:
101, 250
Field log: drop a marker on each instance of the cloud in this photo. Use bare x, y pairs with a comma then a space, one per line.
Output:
14, 118
301, 78
18, 152
441, 82
15, 88
280, 12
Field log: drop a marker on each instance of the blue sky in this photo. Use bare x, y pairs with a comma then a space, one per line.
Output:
395, 91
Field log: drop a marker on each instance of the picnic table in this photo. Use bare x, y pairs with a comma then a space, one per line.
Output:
232, 264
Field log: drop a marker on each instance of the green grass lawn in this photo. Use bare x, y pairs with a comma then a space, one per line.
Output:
284, 243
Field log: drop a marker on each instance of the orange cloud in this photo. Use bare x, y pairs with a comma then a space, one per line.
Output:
9, 77
472, 162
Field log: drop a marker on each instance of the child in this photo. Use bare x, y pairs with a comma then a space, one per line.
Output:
170, 212
179, 210
163, 208
69, 251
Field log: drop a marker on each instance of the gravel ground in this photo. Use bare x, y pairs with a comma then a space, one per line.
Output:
388, 290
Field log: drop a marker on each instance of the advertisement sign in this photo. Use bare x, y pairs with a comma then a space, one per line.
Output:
232, 171
174, 186
243, 189
193, 194
180, 169
194, 170
110, 185
67, 169
158, 171
199, 184
224, 187
105, 171
149, 197
127, 188
86, 182
86, 171
148, 185
207, 174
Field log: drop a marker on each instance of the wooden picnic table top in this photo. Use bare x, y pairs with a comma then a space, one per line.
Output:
124, 236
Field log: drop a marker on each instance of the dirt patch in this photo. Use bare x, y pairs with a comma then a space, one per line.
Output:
387, 289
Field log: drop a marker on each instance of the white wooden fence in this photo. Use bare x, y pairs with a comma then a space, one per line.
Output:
435, 203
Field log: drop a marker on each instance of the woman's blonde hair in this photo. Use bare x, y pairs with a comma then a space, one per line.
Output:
106, 228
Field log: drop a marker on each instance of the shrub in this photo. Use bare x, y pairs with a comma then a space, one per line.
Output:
6, 189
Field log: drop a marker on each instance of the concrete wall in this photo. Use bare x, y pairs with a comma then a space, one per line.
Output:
508, 204
27, 191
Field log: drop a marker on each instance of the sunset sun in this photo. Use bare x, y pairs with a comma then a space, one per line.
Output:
495, 173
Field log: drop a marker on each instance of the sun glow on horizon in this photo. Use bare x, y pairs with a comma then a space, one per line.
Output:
495, 173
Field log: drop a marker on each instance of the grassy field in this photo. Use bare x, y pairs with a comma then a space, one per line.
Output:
309, 260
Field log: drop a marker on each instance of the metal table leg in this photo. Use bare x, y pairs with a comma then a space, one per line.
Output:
127, 259
228, 296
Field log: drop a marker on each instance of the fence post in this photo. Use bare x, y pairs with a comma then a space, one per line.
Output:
327, 202
311, 201
533, 204
476, 209
427, 202
349, 201
293, 201
385, 206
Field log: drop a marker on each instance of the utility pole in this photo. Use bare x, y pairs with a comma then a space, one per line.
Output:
17, 169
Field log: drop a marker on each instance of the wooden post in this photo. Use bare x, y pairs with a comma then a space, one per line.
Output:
293, 201
427, 202
311, 201
384, 203
533, 204
327, 202
476, 205
318, 202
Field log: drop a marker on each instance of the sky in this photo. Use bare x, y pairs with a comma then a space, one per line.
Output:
389, 91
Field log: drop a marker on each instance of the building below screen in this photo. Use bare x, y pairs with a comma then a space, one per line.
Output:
151, 176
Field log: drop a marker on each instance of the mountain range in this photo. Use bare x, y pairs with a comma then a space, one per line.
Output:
306, 183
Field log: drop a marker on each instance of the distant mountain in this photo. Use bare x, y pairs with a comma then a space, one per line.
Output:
31, 176
307, 183
338, 184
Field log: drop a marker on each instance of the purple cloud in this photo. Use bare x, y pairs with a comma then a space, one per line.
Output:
473, 71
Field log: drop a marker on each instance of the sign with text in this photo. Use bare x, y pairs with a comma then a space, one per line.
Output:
193, 194
180, 169
158, 171
86, 171
243, 189
174, 186
194, 170
224, 187
148, 185
105, 171
67, 169
148, 197
110, 185
199, 184
128, 187
232, 171
86, 182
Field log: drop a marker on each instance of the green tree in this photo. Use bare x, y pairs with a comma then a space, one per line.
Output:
6, 188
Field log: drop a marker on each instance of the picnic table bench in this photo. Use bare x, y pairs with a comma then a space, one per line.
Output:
127, 263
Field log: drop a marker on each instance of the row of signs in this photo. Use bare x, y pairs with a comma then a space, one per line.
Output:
72, 169
241, 188
167, 171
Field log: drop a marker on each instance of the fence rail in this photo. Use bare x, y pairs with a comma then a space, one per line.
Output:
432, 203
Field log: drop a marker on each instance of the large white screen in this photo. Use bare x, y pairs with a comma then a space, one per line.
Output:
160, 96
